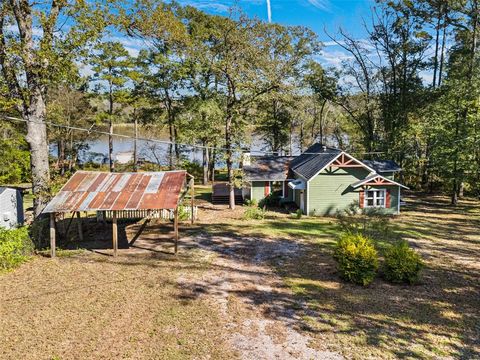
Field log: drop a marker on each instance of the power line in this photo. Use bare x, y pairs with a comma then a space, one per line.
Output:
90, 130
167, 142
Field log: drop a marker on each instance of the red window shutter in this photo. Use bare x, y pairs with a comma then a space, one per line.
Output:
362, 199
285, 185
387, 199
267, 188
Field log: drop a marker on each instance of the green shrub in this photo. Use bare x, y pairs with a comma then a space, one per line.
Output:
184, 212
402, 264
298, 214
252, 202
357, 258
254, 213
371, 222
15, 247
271, 200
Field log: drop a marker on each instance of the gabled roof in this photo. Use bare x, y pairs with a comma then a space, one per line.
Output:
315, 158
377, 178
273, 168
383, 165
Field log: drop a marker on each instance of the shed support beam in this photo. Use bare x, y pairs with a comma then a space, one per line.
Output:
52, 235
114, 232
79, 226
175, 228
192, 196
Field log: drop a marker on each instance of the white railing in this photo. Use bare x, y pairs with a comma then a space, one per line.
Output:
185, 212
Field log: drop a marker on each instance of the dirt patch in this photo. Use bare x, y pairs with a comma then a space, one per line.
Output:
263, 323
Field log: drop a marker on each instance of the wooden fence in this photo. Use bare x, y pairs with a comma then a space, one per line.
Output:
185, 213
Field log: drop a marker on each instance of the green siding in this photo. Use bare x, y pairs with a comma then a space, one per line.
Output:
297, 197
388, 175
330, 191
257, 191
289, 197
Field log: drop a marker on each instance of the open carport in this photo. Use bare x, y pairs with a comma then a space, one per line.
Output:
146, 193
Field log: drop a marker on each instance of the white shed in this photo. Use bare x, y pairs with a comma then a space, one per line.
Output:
11, 207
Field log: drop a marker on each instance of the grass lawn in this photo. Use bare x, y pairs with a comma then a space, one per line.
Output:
158, 306
437, 318
90, 306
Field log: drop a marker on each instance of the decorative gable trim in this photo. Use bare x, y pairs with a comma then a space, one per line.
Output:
352, 161
377, 180
345, 160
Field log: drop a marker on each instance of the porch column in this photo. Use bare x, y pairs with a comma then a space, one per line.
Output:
114, 233
52, 235
79, 226
175, 228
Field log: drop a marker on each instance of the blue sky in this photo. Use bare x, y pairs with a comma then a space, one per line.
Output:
315, 14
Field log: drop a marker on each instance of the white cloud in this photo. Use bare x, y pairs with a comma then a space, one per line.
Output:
333, 58
333, 43
219, 6
85, 70
214, 6
321, 4
37, 31
132, 45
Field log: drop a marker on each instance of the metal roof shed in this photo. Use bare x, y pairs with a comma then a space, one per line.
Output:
103, 191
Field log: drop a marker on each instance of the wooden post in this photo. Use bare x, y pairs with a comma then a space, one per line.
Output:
79, 226
114, 232
175, 227
192, 195
52, 235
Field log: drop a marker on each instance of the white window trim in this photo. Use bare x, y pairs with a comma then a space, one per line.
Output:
375, 198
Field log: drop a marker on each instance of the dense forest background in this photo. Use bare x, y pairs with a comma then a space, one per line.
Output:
214, 81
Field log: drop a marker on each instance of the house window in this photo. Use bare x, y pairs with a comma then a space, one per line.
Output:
375, 198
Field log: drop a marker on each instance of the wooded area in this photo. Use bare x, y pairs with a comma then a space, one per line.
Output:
212, 81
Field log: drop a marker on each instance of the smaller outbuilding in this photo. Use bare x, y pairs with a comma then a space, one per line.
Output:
11, 207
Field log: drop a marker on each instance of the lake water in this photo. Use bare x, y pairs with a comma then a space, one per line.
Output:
151, 151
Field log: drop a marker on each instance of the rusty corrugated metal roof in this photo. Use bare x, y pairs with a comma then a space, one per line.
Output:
92, 190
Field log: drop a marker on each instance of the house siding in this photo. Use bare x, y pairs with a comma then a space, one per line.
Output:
289, 197
389, 175
331, 191
257, 191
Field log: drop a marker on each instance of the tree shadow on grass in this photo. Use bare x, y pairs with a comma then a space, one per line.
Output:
437, 318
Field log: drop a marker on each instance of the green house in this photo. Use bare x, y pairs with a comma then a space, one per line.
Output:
323, 180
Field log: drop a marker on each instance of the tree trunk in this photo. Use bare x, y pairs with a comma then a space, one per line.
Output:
229, 160
435, 58
442, 53
301, 139
212, 164
37, 139
135, 154
170, 145
205, 164
177, 148
110, 130
61, 155
110, 146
